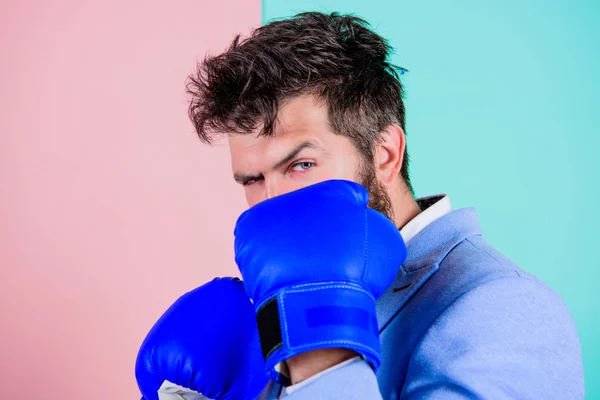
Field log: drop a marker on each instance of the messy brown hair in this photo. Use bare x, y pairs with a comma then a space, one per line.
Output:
336, 57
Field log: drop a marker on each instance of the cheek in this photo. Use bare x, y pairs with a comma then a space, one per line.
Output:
340, 170
345, 168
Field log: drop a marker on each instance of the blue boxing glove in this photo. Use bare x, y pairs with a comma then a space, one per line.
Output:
314, 261
207, 344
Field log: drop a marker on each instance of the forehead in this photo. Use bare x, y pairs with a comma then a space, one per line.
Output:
298, 119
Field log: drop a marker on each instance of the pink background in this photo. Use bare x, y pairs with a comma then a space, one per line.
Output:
110, 207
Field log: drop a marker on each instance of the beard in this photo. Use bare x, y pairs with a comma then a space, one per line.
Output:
379, 200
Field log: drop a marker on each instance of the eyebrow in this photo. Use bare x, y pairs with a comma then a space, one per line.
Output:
307, 144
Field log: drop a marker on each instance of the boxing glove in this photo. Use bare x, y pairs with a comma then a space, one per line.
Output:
206, 342
314, 261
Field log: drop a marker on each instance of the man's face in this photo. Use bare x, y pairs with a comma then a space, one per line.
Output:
303, 151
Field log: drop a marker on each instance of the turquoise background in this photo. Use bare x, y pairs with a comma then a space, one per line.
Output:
502, 114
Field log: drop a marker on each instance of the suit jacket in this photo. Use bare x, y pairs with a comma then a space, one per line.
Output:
462, 321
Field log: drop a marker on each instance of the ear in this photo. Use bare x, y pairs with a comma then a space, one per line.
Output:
389, 154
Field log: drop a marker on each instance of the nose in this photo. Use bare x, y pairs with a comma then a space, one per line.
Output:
272, 189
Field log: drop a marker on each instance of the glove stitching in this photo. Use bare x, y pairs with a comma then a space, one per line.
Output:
285, 327
316, 286
349, 286
366, 259
357, 344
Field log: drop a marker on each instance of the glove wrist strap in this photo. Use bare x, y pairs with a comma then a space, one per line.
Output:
315, 316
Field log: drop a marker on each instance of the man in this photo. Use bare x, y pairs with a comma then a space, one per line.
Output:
346, 307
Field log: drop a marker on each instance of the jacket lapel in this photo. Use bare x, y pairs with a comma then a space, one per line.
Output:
425, 252
400, 291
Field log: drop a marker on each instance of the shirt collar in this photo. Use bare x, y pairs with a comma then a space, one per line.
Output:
432, 208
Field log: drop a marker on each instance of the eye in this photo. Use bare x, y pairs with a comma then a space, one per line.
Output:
302, 166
